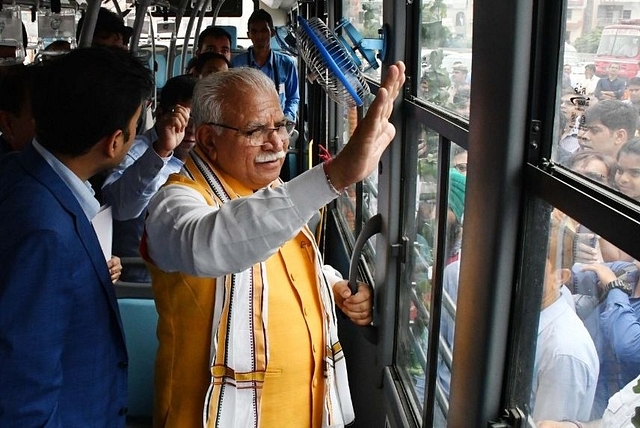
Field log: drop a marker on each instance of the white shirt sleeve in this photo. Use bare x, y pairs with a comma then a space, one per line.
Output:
131, 185
331, 274
186, 234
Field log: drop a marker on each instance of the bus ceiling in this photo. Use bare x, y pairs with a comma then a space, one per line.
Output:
170, 8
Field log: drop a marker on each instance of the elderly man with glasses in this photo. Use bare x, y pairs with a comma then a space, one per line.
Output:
247, 325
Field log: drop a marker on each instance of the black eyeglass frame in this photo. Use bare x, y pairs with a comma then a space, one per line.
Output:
288, 125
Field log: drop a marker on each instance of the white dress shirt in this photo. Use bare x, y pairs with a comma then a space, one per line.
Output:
131, 185
566, 366
622, 406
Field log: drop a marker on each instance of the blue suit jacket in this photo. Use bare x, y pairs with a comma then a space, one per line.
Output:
63, 361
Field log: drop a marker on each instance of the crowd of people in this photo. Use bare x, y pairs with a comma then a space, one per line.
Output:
602, 120
247, 309
588, 343
599, 120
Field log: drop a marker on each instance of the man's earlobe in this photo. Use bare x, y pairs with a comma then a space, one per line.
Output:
564, 275
202, 134
112, 143
205, 138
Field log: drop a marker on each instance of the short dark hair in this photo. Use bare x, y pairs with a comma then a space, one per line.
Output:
177, 89
191, 64
87, 95
108, 22
215, 32
261, 15
631, 147
14, 88
207, 56
58, 45
613, 114
591, 67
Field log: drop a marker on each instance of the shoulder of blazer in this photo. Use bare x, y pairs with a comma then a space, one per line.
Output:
36, 166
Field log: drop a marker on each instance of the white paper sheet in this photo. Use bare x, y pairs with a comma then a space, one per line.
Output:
103, 225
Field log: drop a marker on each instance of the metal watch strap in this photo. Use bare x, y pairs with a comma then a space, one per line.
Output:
620, 285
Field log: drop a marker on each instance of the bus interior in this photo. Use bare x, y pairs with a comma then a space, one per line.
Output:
486, 176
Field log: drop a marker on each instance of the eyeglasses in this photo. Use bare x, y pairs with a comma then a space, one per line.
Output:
258, 135
461, 167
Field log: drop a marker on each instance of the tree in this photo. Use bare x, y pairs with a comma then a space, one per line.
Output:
589, 42
371, 18
434, 34
433, 11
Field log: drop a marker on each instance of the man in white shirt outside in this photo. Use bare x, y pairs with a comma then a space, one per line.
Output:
566, 366
587, 85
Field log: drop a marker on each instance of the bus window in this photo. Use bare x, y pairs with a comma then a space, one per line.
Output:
351, 202
595, 138
419, 283
367, 19
346, 203
445, 51
587, 279
583, 353
12, 40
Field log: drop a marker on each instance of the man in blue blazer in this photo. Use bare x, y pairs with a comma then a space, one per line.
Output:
63, 361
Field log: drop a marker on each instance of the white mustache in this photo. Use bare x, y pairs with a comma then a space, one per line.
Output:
270, 156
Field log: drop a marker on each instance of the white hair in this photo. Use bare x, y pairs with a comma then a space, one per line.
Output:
212, 95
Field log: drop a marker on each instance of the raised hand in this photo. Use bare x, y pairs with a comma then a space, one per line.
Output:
171, 126
360, 156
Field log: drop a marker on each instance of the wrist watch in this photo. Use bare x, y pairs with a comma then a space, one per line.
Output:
620, 285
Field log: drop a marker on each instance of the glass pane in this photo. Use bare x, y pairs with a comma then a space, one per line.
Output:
416, 292
370, 184
413, 328
445, 49
370, 204
450, 277
599, 95
348, 201
366, 18
587, 346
